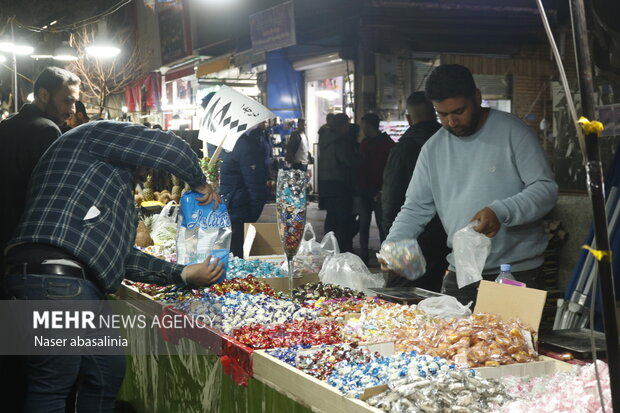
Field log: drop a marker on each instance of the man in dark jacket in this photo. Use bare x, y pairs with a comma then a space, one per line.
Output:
396, 177
374, 151
337, 164
243, 182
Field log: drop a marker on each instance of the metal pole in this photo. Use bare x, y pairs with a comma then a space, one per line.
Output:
15, 94
594, 172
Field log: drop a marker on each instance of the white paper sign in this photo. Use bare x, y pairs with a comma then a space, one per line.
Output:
230, 114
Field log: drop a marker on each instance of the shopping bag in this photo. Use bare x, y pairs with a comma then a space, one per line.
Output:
470, 249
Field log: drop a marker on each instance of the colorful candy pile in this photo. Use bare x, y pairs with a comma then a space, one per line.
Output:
475, 341
458, 391
352, 378
574, 391
339, 307
291, 209
236, 309
289, 334
248, 285
383, 322
404, 257
320, 363
240, 268
167, 250
315, 291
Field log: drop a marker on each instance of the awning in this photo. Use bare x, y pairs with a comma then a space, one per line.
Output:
213, 66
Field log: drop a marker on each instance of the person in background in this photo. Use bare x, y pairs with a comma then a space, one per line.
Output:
261, 134
243, 182
75, 241
484, 166
337, 164
329, 120
297, 148
76, 119
374, 151
24, 137
396, 177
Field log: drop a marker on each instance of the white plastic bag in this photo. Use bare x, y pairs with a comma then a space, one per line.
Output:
312, 254
445, 306
348, 270
403, 257
470, 249
164, 227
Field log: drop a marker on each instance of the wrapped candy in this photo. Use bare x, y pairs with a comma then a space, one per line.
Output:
315, 291
291, 209
403, 257
289, 334
240, 268
248, 285
459, 391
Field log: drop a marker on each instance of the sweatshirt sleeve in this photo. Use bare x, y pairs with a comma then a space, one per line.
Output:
540, 190
142, 267
151, 148
419, 207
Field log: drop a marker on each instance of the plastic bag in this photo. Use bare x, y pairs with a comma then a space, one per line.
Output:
348, 270
444, 307
470, 249
404, 257
203, 232
164, 227
312, 254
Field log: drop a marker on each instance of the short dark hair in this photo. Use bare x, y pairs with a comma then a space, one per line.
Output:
372, 119
449, 81
329, 117
340, 119
417, 98
53, 79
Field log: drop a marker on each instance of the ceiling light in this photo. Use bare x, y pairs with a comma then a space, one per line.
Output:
102, 46
42, 51
2, 58
20, 47
65, 52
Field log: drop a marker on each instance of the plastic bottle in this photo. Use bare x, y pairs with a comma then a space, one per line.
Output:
505, 273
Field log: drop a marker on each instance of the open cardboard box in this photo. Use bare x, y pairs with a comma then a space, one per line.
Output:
261, 241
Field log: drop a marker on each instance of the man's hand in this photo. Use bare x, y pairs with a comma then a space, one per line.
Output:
203, 274
384, 268
209, 196
489, 224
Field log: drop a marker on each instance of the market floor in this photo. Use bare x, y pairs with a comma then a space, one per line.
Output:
316, 217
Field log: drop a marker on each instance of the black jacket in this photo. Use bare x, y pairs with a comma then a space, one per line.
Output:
337, 163
24, 137
396, 177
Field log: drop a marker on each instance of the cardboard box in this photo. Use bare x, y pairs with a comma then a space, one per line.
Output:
262, 241
510, 302
281, 283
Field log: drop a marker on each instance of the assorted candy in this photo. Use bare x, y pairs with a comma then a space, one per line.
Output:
167, 250
574, 391
289, 334
291, 209
353, 378
248, 285
236, 309
458, 391
315, 291
475, 341
339, 307
240, 268
403, 257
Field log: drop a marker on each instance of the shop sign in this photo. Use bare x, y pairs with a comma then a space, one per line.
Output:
174, 33
228, 115
273, 28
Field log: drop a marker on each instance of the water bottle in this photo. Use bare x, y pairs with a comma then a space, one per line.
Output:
505, 273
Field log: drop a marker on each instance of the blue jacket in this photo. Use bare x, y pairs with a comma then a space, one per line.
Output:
243, 179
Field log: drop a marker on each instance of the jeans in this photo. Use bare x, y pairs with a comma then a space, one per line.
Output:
51, 377
368, 205
470, 292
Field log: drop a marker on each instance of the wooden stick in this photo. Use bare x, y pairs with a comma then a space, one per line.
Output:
216, 154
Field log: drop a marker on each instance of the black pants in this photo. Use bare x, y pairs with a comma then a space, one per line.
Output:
338, 219
368, 204
236, 240
469, 293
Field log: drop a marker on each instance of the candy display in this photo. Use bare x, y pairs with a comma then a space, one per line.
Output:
248, 285
352, 378
314, 291
289, 334
291, 209
457, 391
574, 391
403, 257
240, 268
475, 341
320, 363
236, 309
167, 250
338, 307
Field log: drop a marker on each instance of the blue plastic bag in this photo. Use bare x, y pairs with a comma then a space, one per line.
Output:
202, 232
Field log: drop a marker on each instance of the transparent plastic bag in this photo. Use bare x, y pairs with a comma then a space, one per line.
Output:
444, 307
470, 249
348, 270
202, 232
164, 227
403, 257
312, 254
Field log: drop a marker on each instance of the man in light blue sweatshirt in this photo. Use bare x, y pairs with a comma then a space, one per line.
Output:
483, 165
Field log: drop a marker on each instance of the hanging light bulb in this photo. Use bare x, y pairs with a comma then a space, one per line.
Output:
65, 52
22, 48
6, 44
102, 46
2, 58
